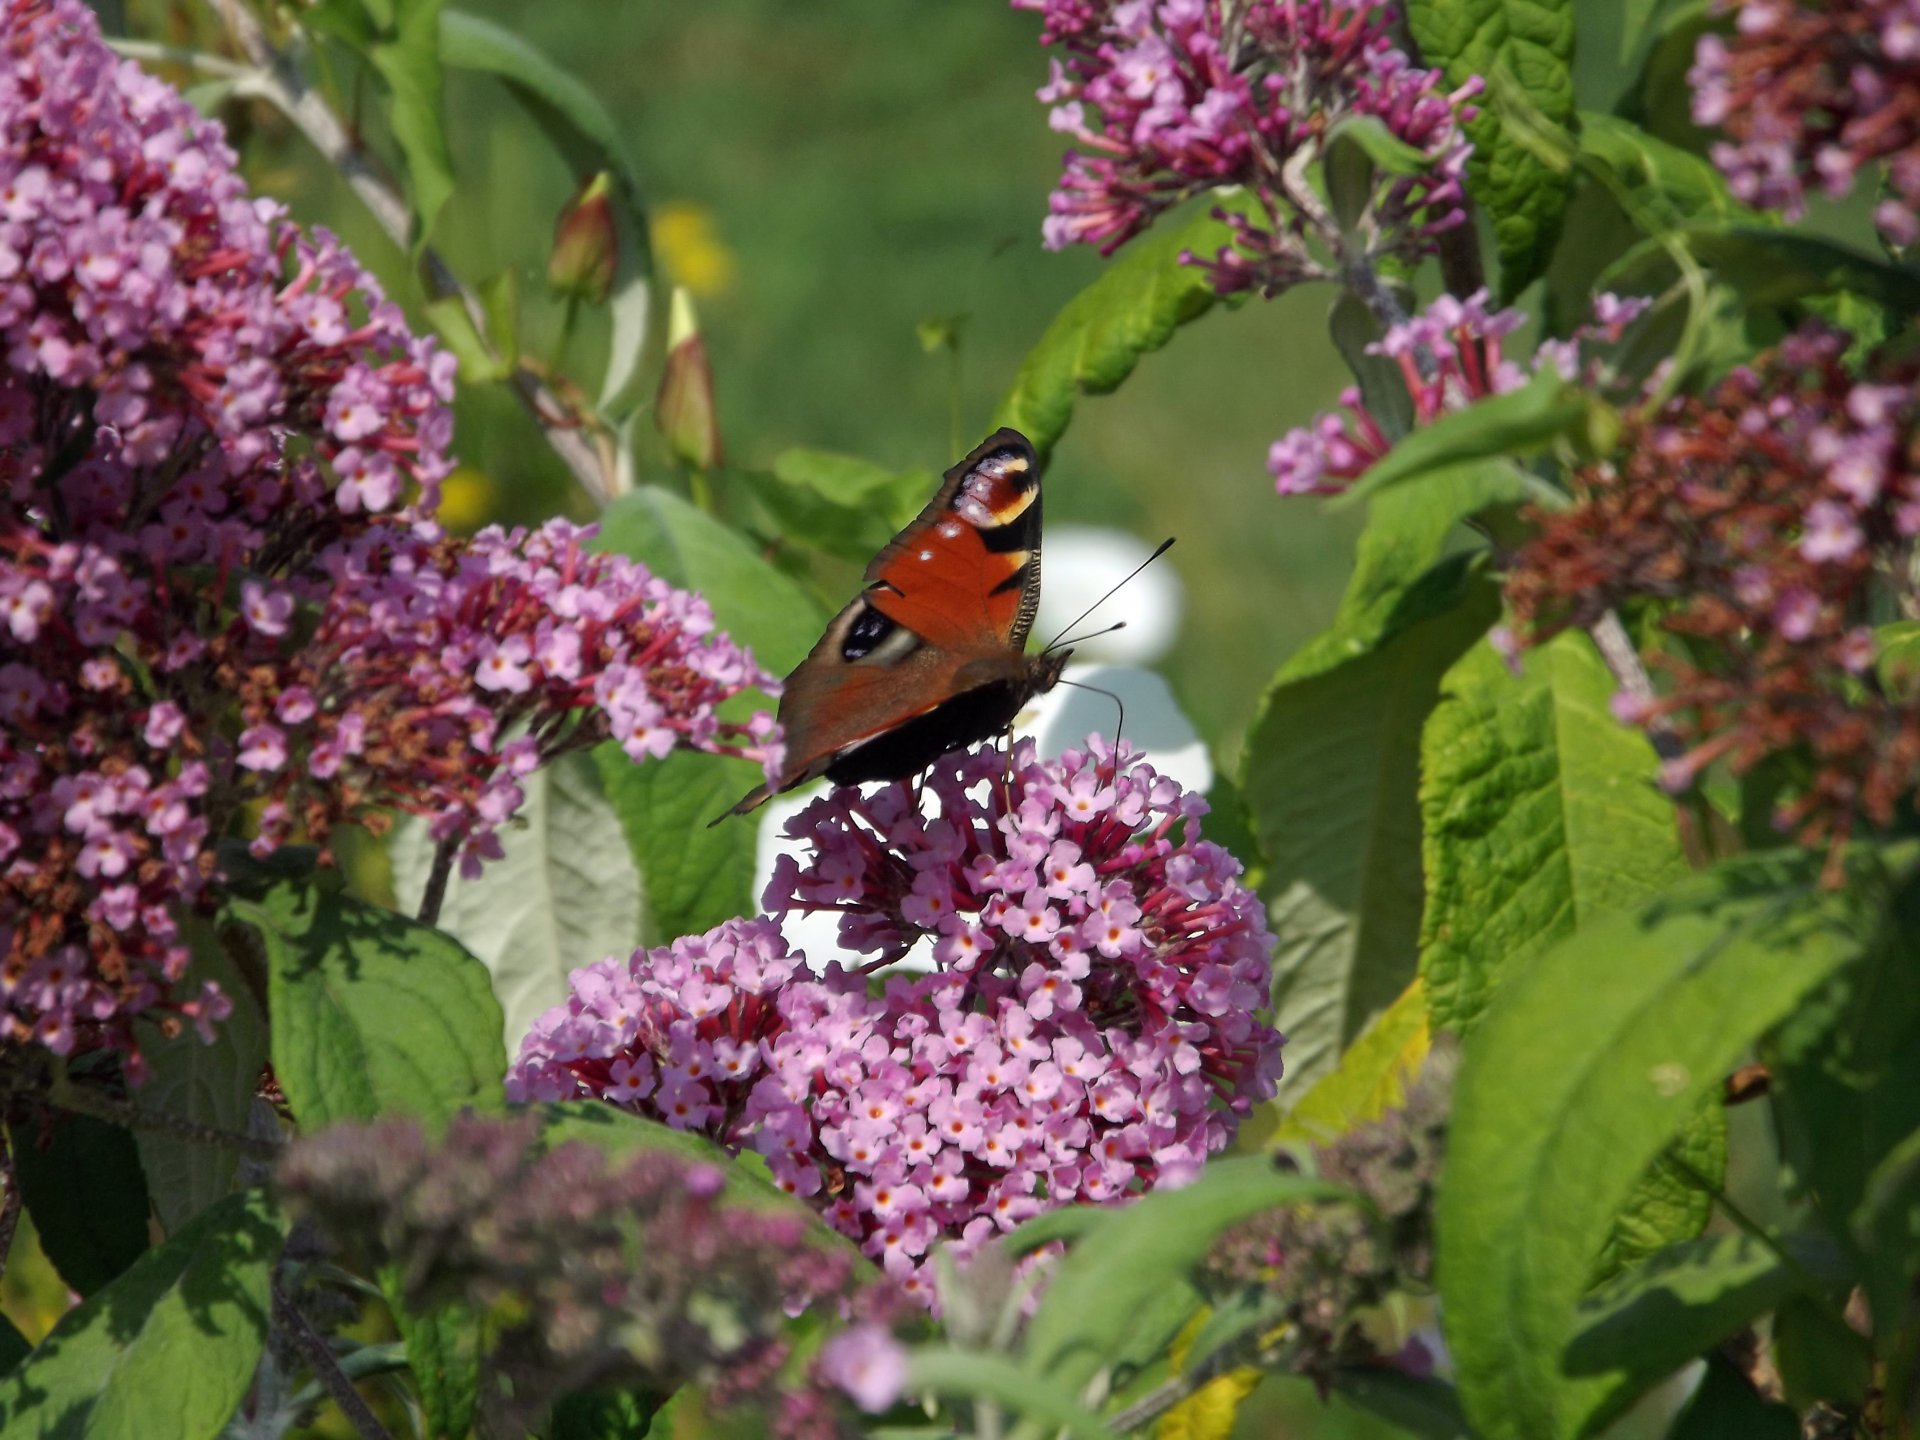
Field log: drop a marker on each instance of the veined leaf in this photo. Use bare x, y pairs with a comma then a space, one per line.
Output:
565, 893
1140, 299
1532, 41
1518, 423
1331, 783
211, 1085
1540, 814
372, 1014
408, 59
1120, 1265
86, 1195
1371, 1076
696, 874
1584, 1066
1681, 1302
168, 1349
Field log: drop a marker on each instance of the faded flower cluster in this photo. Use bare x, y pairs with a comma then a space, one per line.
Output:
1165, 99
219, 445
598, 1273
1448, 356
1753, 521
1327, 1264
1090, 1030
1812, 94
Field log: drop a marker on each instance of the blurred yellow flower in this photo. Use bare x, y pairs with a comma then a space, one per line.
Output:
687, 242
466, 500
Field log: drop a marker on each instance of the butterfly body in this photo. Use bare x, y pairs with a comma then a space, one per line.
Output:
929, 656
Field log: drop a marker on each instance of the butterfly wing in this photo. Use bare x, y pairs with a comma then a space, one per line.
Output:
944, 617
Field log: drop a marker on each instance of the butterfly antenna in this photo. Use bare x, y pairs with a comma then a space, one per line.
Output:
1121, 722
1054, 643
1091, 635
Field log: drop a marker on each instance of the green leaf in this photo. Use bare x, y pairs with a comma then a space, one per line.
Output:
1886, 1226
604, 1415
348, 21
1140, 299
1118, 1267
1532, 41
1821, 1357
1371, 1077
167, 1349
1672, 1202
409, 61
1540, 813
565, 894
1636, 20
444, 1353
840, 504
1429, 1409
1846, 1073
373, 1014
942, 1370
1331, 783
1408, 531
695, 874
1517, 423
14, 1347
479, 364
500, 303
1725, 1406
1665, 187
209, 1085
1897, 656
755, 603
1584, 1066
1779, 267
591, 141
1652, 1319
1383, 389
86, 1194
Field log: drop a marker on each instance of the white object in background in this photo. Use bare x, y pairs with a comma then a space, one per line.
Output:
1079, 564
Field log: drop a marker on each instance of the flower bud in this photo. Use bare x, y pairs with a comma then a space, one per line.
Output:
684, 409
586, 247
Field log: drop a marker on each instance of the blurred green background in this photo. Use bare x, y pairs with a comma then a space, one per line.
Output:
826, 177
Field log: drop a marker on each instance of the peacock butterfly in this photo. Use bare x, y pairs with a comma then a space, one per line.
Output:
930, 655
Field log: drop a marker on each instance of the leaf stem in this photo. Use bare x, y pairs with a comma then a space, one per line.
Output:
326, 1367
10, 1207
435, 894
95, 1104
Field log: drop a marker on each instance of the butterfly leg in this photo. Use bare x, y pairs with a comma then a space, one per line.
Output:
1006, 769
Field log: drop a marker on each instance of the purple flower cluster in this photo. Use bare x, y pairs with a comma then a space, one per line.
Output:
1457, 343
1812, 94
219, 449
1168, 98
1090, 1030
442, 672
163, 336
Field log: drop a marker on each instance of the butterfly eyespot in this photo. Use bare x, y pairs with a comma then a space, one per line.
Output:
869, 628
